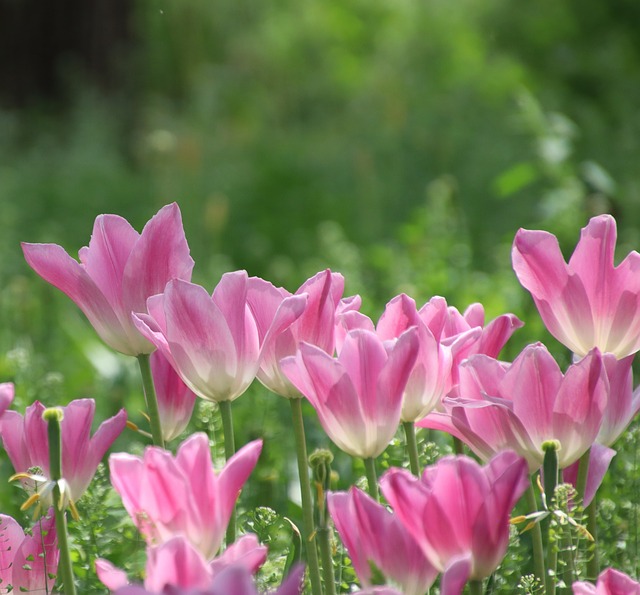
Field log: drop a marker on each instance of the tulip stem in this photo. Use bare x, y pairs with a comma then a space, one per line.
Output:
324, 540
458, 446
151, 399
305, 496
550, 476
593, 566
229, 451
412, 447
475, 587
53, 417
536, 536
583, 472
372, 478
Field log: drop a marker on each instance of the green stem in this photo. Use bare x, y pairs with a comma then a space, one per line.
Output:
372, 478
593, 565
412, 447
53, 417
151, 399
305, 495
324, 540
536, 536
583, 471
475, 587
550, 475
229, 451
458, 446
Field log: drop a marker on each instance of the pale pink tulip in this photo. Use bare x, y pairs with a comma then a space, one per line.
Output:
28, 562
358, 396
117, 272
588, 302
519, 406
458, 511
285, 320
373, 535
211, 341
182, 495
599, 459
177, 563
175, 399
610, 582
26, 441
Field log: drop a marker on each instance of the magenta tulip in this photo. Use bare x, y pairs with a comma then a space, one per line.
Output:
175, 400
519, 406
182, 495
28, 562
285, 320
211, 341
7, 392
373, 535
118, 272
587, 302
358, 395
26, 441
610, 582
458, 511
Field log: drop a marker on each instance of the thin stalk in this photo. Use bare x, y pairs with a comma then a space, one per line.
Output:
308, 526
324, 540
151, 399
458, 446
593, 565
583, 472
53, 417
372, 478
412, 447
475, 587
550, 473
536, 536
229, 451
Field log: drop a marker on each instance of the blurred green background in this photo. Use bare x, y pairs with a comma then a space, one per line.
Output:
401, 142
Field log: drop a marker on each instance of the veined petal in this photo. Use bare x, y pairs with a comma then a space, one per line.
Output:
176, 562
246, 551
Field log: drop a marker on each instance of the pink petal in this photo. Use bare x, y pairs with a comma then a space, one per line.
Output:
599, 461
7, 391
456, 575
111, 576
246, 551
176, 562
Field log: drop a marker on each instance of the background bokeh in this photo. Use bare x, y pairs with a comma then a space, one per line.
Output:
401, 142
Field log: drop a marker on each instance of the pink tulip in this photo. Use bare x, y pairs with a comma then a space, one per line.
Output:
26, 441
285, 320
211, 341
167, 496
175, 399
118, 272
373, 535
610, 582
519, 406
28, 562
466, 334
588, 302
358, 396
177, 563
7, 392
599, 459
458, 511
235, 580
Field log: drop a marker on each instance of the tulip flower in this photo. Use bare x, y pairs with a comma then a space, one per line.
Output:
373, 535
177, 563
519, 406
28, 562
117, 272
610, 582
358, 395
167, 496
587, 302
175, 399
310, 314
458, 512
211, 341
26, 441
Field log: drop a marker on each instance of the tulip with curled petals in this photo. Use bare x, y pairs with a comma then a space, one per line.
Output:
27, 443
373, 535
358, 395
182, 495
458, 511
117, 272
587, 302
